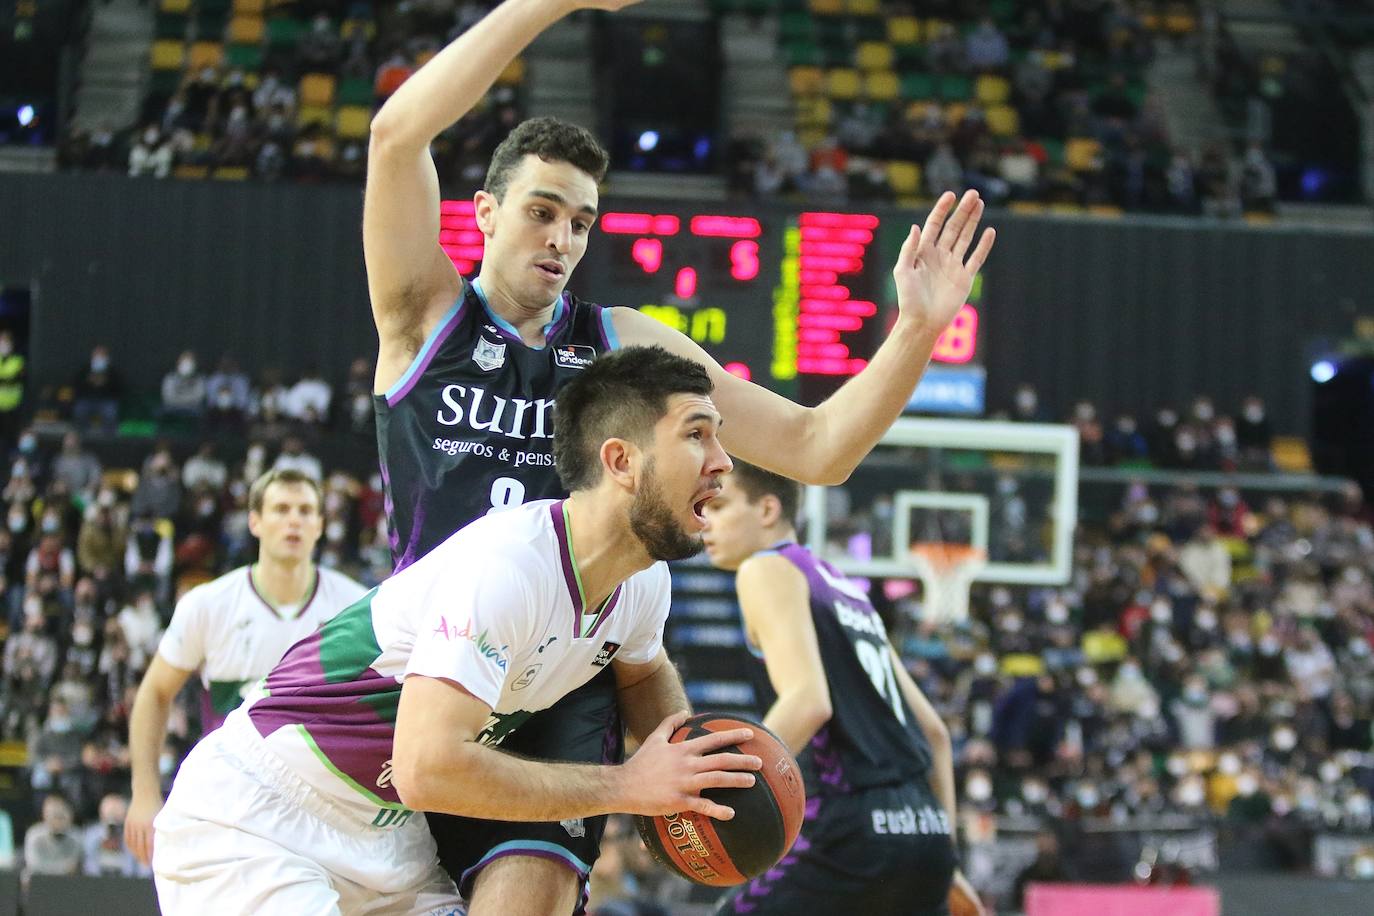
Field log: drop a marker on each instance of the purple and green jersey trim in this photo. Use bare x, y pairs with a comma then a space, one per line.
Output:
585, 622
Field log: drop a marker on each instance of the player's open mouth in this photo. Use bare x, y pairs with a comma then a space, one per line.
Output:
552, 270
699, 507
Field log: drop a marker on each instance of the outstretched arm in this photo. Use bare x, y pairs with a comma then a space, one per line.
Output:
410, 279
823, 445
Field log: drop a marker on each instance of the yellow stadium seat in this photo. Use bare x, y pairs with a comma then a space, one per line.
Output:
1003, 121
991, 89
230, 173
842, 83
1291, 454
904, 177
882, 85
806, 80
826, 7
1066, 209
249, 7
364, 26
246, 30
174, 6
933, 28
1027, 206
205, 54
514, 74
904, 30
874, 55
954, 113
1179, 21
863, 7
813, 112
168, 55
1081, 154
811, 137
314, 114
353, 122
190, 171
1151, 22
317, 90
1104, 210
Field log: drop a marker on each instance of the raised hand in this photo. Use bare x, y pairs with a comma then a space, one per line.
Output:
664, 778
933, 278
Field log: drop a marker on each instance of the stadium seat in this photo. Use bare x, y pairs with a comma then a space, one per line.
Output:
811, 137
190, 171
1179, 20
1108, 211
917, 86
842, 83
904, 177
244, 57
351, 27
954, 113
284, 33
314, 114
1026, 206
1003, 120
353, 122
174, 6
317, 90
955, 88
795, 27
826, 7
991, 90
806, 80
170, 26
904, 30
882, 86
248, 7
863, 7
1081, 154
356, 91
813, 112
803, 54
205, 54
230, 173
246, 30
874, 55
168, 55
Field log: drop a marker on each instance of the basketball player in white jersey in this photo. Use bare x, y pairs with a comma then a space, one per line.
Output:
303, 801
233, 630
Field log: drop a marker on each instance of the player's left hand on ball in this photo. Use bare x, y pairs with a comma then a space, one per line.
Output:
935, 271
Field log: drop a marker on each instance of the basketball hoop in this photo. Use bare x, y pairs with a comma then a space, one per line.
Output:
946, 571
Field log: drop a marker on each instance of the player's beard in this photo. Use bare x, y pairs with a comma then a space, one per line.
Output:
652, 522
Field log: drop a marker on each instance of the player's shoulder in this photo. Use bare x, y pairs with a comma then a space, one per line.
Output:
228, 584
768, 564
337, 582
502, 543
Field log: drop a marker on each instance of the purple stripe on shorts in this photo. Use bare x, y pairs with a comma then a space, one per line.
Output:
762, 886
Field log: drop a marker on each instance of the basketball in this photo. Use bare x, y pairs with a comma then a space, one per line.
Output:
768, 814
961, 905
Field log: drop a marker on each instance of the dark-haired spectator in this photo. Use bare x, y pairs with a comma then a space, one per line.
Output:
78, 468
158, 493
183, 389
294, 457
52, 846
96, 393
55, 753
103, 848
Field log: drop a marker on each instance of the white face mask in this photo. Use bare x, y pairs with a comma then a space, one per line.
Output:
978, 788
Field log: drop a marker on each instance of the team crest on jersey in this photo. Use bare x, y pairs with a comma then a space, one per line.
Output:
488, 355
608, 651
574, 356
527, 678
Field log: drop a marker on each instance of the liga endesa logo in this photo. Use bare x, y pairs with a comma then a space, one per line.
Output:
497, 656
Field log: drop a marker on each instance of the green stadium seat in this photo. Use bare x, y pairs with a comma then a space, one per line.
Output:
244, 57
954, 88
917, 86
355, 91
170, 26
800, 54
284, 33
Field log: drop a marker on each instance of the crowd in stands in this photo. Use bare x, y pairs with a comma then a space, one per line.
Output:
1211, 658
1033, 104
1030, 103
239, 91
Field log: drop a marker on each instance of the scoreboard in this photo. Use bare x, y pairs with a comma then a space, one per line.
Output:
795, 300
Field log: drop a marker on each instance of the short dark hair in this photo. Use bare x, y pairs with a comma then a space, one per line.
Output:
621, 395
551, 140
758, 483
287, 476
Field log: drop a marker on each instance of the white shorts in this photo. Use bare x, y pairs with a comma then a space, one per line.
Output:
242, 834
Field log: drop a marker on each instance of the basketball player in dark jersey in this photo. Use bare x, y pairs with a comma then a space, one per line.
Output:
467, 371
878, 834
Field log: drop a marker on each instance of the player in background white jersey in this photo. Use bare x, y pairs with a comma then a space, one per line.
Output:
303, 801
233, 630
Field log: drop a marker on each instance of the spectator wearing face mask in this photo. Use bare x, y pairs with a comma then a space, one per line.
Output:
52, 846
97, 390
77, 468
104, 850
158, 493
183, 390
151, 154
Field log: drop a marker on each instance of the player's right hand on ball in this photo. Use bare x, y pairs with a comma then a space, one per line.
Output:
664, 778
138, 827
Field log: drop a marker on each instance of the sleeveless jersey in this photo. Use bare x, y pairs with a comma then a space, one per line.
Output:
872, 738
497, 608
468, 429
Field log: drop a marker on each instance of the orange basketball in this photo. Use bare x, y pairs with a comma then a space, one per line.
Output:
768, 814
961, 905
